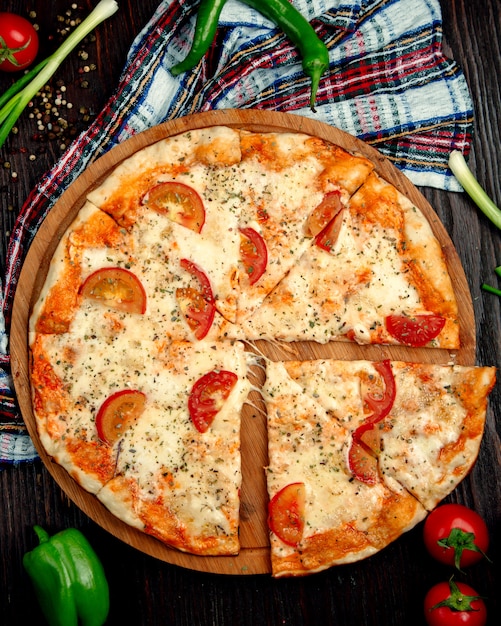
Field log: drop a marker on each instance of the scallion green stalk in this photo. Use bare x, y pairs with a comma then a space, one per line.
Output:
472, 187
17, 97
490, 289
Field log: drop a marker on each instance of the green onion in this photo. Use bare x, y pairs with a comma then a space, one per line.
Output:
490, 289
17, 97
470, 184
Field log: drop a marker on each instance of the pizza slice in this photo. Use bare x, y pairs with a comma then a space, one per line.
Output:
180, 197
292, 184
151, 428
375, 275
319, 516
360, 451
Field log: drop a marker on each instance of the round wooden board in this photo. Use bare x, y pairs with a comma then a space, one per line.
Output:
254, 554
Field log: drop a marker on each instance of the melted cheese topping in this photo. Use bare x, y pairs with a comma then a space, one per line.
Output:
366, 276
352, 288
436, 428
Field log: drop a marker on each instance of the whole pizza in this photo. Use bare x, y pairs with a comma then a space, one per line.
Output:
192, 256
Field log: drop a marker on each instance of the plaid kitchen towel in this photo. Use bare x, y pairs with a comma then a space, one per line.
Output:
389, 83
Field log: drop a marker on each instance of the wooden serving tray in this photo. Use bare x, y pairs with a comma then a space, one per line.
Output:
254, 555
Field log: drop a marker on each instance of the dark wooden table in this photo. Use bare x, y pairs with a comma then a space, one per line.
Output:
387, 589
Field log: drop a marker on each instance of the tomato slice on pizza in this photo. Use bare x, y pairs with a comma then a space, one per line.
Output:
381, 404
254, 254
323, 214
286, 513
415, 331
327, 237
208, 396
362, 461
180, 202
115, 287
197, 305
117, 413
364, 447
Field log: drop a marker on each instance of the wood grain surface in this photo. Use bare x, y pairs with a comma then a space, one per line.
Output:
254, 554
387, 589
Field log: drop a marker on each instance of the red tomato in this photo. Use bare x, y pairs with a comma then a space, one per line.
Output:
326, 238
117, 288
414, 331
454, 604
364, 448
254, 254
117, 413
381, 406
208, 396
286, 513
197, 305
179, 202
323, 213
362, 461
18, 42
456, 535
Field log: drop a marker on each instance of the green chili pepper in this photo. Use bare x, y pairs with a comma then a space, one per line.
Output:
69, 579
302, 34
205, 31
313, 51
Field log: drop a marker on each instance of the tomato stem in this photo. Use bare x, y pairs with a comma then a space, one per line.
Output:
460, 540
457, 601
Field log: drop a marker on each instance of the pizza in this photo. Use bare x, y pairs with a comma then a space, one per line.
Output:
182, 265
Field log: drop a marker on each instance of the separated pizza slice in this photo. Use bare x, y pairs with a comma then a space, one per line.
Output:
376, 274
319, 515
360, 451
291, 185
151, 428
415, 427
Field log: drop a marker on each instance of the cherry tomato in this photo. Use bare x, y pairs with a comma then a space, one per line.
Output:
117, 413
18, 42
117, 288
364, 447
323, 213
456, 535
179, 202
454, 604
197, 305
254, 254
326, 238
286, 513
208, 396
414, 331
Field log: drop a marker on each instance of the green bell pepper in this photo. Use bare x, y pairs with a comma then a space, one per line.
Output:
69, 579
